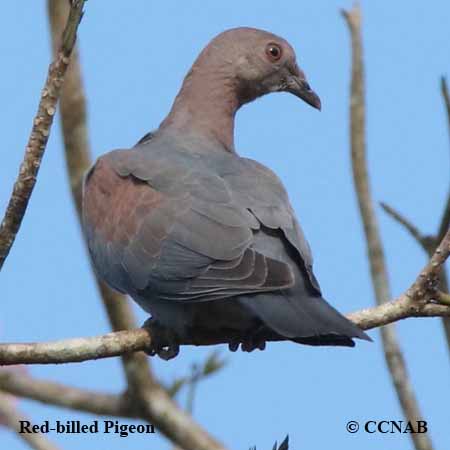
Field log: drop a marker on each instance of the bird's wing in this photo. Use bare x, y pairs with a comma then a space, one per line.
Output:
156, 224
260, 190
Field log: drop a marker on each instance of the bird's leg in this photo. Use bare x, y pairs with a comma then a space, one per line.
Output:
164, 341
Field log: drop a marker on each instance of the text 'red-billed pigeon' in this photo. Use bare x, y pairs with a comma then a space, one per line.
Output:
204, 240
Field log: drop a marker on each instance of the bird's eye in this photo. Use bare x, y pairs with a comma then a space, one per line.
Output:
273, 52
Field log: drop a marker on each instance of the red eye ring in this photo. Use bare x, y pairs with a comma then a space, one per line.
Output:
273, 52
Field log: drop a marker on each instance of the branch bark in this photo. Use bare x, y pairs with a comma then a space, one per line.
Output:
12, 418
392, 351
51, 393
40, 133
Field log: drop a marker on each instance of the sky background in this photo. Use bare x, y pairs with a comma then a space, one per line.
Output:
134, 55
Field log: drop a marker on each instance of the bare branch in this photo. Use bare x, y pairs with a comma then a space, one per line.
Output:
12, 418
122, 342
392, 351
23, 385
23, 187
177, 425
427, 242
156, 406
446, 97
75, 350
167, 417
398, 309
428, 279
445, 221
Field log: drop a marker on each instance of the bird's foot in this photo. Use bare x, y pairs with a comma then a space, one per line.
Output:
164, 341
251, 341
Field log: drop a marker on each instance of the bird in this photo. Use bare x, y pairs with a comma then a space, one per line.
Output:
204, 240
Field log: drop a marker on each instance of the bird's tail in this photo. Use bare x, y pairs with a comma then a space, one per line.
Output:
309, 320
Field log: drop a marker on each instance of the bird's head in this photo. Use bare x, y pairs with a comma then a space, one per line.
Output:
257, 63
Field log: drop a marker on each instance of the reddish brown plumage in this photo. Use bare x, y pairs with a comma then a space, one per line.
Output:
115, 206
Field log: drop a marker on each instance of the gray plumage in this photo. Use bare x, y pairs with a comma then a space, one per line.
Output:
200, 237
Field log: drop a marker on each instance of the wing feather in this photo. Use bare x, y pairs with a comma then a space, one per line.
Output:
192, 243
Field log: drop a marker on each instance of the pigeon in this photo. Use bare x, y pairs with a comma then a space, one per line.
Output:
202, 239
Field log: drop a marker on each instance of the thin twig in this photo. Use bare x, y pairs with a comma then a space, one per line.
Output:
425, 241
445, 221
446, 97
12, 418
392, 351
23, 187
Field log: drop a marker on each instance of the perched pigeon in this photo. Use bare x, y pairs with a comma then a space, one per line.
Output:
201, 238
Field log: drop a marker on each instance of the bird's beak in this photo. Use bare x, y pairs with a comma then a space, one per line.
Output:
298, 86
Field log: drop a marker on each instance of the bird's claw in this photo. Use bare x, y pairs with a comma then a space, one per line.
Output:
164, 341
233, 345
249, 343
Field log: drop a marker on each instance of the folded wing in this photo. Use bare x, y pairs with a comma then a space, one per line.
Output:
177, 232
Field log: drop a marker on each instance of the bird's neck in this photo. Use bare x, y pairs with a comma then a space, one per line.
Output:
206, 105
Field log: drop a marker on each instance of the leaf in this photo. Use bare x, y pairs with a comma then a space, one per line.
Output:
213, 364
176, 385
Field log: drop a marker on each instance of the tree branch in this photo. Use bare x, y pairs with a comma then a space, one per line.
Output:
11, 417
51, 393
122, 342
428, 279
23, 187
427, 242
392, 351
445, 221
446, 97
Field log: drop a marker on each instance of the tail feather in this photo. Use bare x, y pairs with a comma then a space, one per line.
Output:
326, 340
308, 320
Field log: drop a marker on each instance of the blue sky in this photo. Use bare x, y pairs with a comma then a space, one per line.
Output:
134, 56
